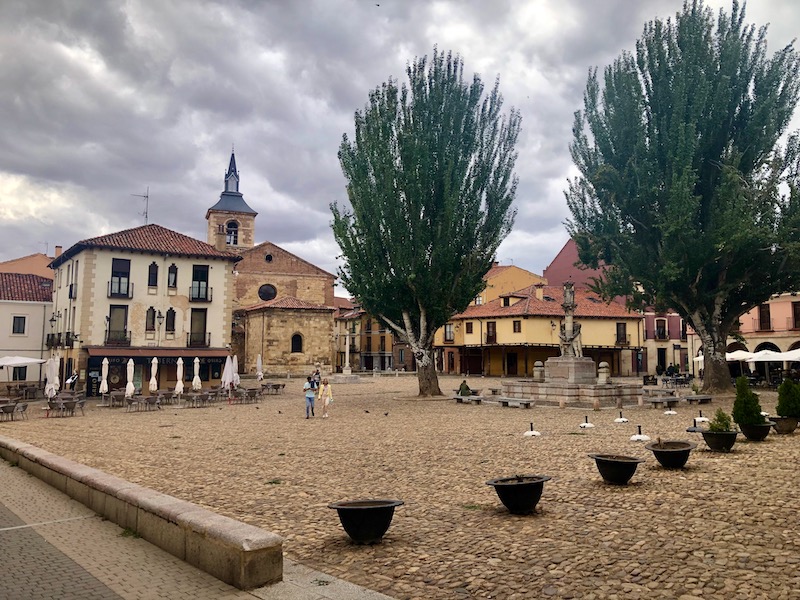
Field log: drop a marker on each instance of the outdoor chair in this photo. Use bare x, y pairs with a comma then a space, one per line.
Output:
22, 410
252, 395
131, 404
152, 403
79, 404
7, 412
55, 406
68, 408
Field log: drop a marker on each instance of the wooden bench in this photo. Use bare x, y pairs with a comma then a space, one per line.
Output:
697, 399
515, 402
468, 399
668, 401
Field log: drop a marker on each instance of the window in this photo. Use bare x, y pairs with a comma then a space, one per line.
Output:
401, 355
622, 333
20, 374
517, 326
268, 258
152, 275
506, 301
369, 325
297, 343
117, 323
170, 320
232, 233
491, 332
683, 329
267, 292
383, 344
468, 328
764, 320
150, 319
197, 332
661, 329
18, 326
199, 289
172, 276
448, 332
478, 300
369, 344
795, 315
120, 277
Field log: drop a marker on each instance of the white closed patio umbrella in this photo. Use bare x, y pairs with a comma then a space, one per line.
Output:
104, 377
197, 385
235, 366
179, 375
51, 370
153, 374
259, 368
227, 374
129, 387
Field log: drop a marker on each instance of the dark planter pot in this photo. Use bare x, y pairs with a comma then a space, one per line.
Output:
616, 469
756, 433
720, 441
521, 493
671, 454
365, 521
784, 425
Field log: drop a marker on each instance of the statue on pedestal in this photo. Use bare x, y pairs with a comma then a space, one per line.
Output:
570, 334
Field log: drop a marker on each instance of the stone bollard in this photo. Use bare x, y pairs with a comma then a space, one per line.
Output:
603, 374
538, 371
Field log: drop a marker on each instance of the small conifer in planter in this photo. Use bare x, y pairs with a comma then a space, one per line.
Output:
747, 412
720, 435
788, 407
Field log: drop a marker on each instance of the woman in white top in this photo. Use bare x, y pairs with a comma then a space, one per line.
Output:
325, 395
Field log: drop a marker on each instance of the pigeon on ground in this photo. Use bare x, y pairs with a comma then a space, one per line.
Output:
366, 411
386, 414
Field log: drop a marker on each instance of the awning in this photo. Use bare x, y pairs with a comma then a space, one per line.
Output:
127, 352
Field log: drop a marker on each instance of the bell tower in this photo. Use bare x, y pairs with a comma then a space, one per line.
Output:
231, 222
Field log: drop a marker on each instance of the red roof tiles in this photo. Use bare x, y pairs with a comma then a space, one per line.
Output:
148, 238
587, 305
20, 287
288, 302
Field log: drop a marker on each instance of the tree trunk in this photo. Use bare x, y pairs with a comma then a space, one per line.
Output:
428, 380
716, 374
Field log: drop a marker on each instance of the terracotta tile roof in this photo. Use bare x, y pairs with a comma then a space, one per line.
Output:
288, 302
148, 238
563, 268
20, 287
587, 303
342, 303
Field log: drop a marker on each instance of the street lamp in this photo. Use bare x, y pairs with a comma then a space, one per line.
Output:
160, 319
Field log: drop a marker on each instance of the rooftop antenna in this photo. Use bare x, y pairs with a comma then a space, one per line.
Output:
46, 247
146, 197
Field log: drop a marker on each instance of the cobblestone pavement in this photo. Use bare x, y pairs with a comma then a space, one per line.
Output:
725, 527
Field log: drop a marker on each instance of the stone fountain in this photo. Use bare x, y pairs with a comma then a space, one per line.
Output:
572, 380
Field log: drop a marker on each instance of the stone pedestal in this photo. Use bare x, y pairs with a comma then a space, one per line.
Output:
570, 369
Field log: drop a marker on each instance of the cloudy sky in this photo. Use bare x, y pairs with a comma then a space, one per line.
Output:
100, 100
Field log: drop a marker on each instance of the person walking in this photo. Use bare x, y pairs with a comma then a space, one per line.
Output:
325, 396
308, 389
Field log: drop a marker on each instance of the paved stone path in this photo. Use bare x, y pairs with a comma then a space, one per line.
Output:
726, 527
52, 547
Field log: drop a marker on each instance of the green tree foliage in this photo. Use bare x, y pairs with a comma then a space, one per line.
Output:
430, 184
684, 189
746, 407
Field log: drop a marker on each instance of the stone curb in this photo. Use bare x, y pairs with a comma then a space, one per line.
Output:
239, 554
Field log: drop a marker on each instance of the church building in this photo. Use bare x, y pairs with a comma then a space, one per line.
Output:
283, 305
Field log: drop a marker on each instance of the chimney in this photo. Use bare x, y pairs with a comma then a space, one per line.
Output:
539, 291
58, 251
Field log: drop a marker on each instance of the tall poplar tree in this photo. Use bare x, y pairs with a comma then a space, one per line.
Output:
430, 185
684, 188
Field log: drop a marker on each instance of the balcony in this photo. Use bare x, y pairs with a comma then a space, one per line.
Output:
118, 338
200, 292
198, 340
762, 325
491, 338
119, 289
792, 322
623, 339
73, 291
70, 338
53, 340
662, 334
